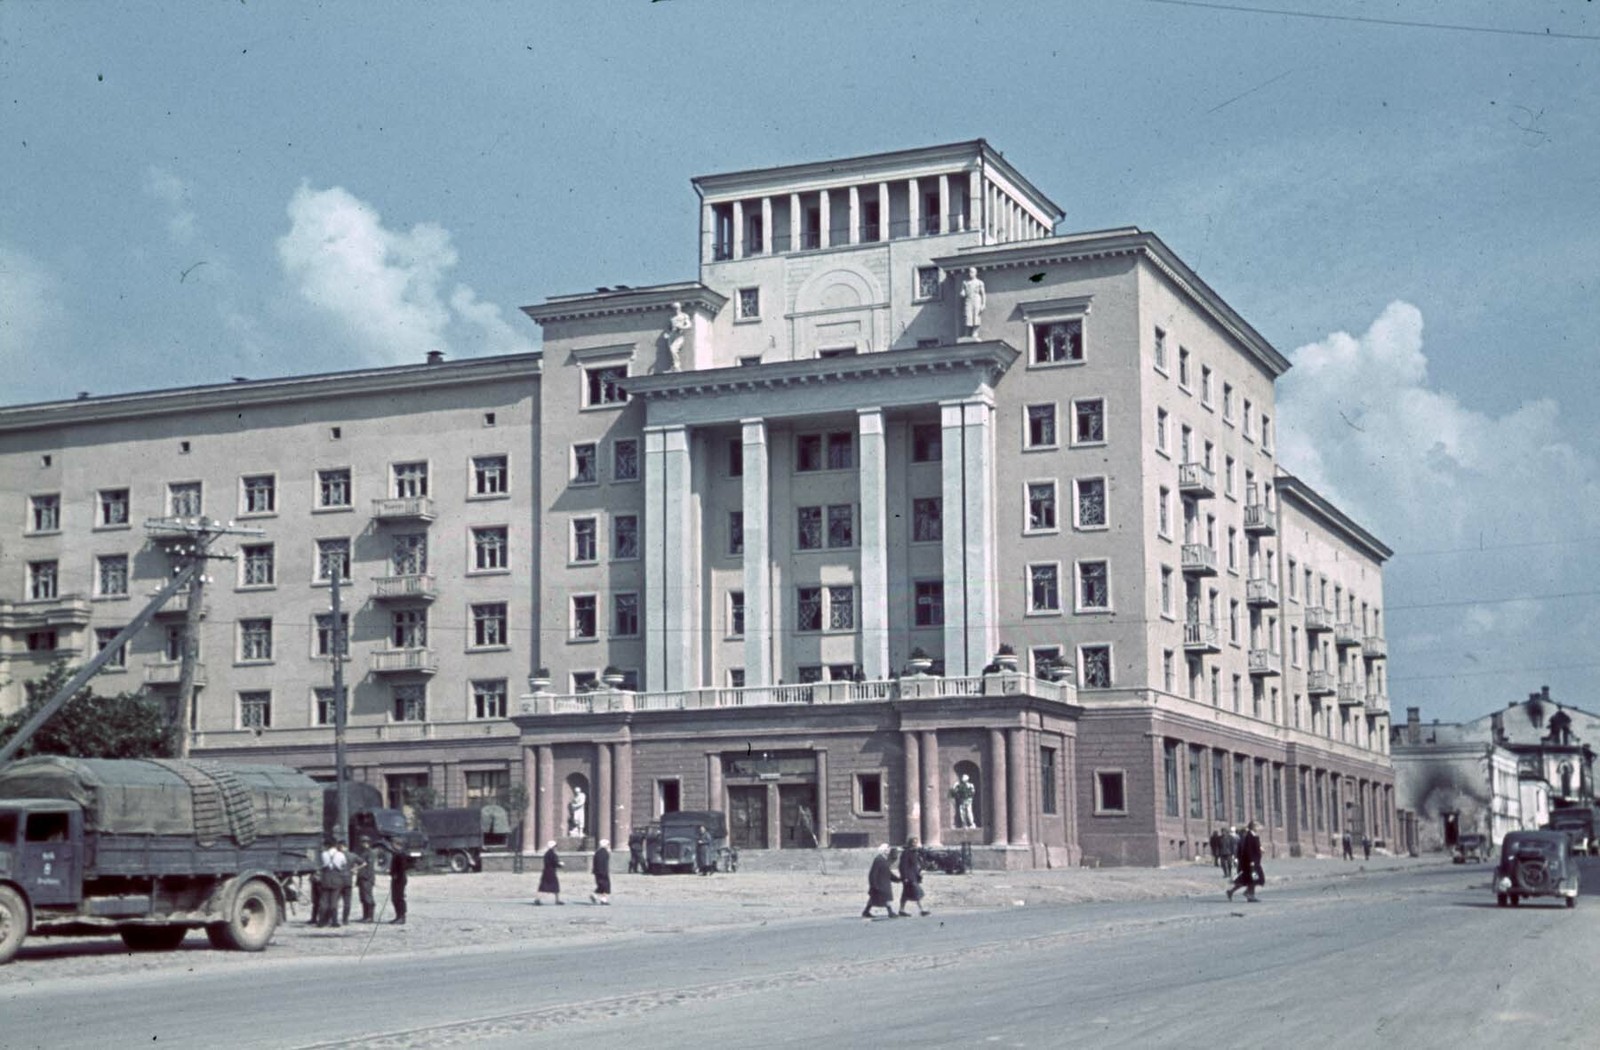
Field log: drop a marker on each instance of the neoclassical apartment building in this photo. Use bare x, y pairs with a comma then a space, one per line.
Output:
904, 488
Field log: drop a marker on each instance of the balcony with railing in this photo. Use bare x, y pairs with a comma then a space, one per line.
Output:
1262, 592
420, 587
1198, 480
405, 661
1345, 635
1320, 683
1200, 638
168, 672
1350, 695
1318, 619
1199, 560
1374, 646
1264, 663
407, 508
177, 604
1377, 702
915, 687
1260, 520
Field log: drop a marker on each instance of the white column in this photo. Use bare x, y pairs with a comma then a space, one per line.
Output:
708, 233
883, 211
794, 222
874, 547
974, 199
766, 226
738, 229
914, 208
953, 546
823, 234
977, 425
944, 204
655, 559
670, 601
757, 556
855, 215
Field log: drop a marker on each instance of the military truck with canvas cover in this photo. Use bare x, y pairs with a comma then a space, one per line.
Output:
152, 848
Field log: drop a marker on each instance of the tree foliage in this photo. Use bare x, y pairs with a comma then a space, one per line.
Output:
127, 725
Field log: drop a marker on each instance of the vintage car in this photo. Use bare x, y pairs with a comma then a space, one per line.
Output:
1536, 864
1471, 848
669, 844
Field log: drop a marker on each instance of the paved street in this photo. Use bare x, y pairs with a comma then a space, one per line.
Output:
1412, 956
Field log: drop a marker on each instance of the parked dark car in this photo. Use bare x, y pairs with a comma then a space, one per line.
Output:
1472, 849
1536, 864
669, 844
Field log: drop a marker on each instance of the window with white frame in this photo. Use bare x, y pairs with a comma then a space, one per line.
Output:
491, 549
255, 640
258, 494
1205, 385
625, 459
410, 702
1057, 342
490, 476
1248, 420
1166, 591
255, 709
928, 603
1041, 506
1041, 422
736, 614
323, 634
256, 565
184, 499
585, 540
1094, 586
44, 513
408, 629
333, 558
111, 575
603, 385
1164, 512
103, 637
625, 615
928, 283
1044, 588
1266, 432
113, 508
1227, 402
1095, 661
585, 464
926, 520
489, 625
1089, 421
333, 488
1110, 792
488, 701
1183, 367
625, 537
1163, 428
324, 708
749, 304
410, 480
808, 609
841, 608
1089, 503
1161, 350
1229, 488
585, 626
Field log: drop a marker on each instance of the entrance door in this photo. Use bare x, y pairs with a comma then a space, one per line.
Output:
797, 814
747, 816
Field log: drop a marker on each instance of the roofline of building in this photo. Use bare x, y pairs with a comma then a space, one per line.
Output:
1311, 500
240, 393
1125, 240
623, 300
845, 170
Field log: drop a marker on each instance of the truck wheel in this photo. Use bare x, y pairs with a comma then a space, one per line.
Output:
253, 917
153, 938
13, 923
460, 861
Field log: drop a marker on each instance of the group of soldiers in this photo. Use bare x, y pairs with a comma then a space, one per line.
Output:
340, 870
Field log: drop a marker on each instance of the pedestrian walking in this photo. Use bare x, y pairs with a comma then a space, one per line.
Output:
1366, 846
702, 850
911, 877
1249, 863
366, 870
602, 874
1230, 847
549, 881
880, 885
399, 875
636, 860
1348, 855
1216, 847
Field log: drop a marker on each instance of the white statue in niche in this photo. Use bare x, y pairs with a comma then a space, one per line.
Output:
963, 793
677, 334
972, 303
577, 812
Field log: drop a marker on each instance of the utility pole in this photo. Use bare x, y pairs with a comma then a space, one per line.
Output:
190, 543
336, 644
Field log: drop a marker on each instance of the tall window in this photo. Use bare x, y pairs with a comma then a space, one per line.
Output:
1197, 758
409, 554
1047, 780
111, 575
841, 525
260, 494
585, 540
103, 636
926, 522
584, 464
1041, 426
929, 601
490, 476
113, 507
1089, 421
735, 532
1091, 502
625, 460
584, 619
488, 701
1096, 666
333, 557
255, 710
841, 608
625, 615
1164, 511
809, 520
1044, 588
736, 614
1161, 349
408, 629
410, 702
410, 480
625, 537
44, 513
1041, 505
1169, 770
489, 625
255, 639
490, 549
325, 634
1094, 585
808, 453
333, 488
808, 609
184, 499
841, 450
1183, 367
604, 385
256, 565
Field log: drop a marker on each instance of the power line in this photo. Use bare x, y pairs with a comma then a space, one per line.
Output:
1497, 547
1492, 673
1367, 20
1494, 601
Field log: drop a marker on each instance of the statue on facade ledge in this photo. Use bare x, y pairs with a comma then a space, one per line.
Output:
963, 793
577, 812
677, 334
972, 304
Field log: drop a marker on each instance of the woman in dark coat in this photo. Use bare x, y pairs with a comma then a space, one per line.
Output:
399, 867
880, 884
549, 881
702, 850
602, 874
911, 877
1249, 856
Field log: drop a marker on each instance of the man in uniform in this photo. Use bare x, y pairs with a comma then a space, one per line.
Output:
366, 875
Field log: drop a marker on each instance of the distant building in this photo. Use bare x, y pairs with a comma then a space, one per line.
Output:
902, 487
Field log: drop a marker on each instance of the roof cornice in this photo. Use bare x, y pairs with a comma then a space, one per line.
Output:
1131, 241
609, 303
1313, 502
992, 357
253, 392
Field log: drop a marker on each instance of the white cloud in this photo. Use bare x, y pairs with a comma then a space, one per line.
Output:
172, 191
30, 306
385, 289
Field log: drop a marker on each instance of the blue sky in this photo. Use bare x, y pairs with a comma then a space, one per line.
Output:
199, 191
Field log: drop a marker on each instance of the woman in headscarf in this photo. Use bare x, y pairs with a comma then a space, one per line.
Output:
911, 877
549, 881
880, 884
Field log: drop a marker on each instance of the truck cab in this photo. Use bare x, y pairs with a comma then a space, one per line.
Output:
41, 847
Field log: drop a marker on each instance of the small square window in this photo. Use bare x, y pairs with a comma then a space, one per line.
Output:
488, 419
255, 710
184, 499
260, 494
1089, 421
1058, 342
491, 549
488, 701
1109, 794
749, 308
603, 386
926, 441
869, 793
489, 626
410, 480
113, 508
44, 513
1041, 422
333, 488
490, 476
929, 281
1044, 588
